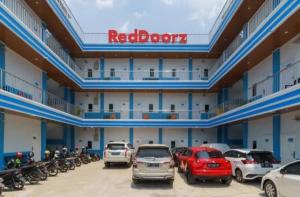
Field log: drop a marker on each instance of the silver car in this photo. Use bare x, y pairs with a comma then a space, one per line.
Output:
153, 162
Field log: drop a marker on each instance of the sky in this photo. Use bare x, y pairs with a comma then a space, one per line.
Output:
174, 16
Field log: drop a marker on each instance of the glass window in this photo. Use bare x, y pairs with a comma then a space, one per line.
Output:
205, 72
172, 108
206, 108
207, 155
111, 107
254, 90
116, 146
130, 146
173, 72
150, 107
159, 152
262, 157
112, 72
293, 168
90, 73
151, 72
90, 107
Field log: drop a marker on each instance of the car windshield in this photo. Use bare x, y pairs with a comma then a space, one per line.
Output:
153, 152
116, 146
261, 157
207, 155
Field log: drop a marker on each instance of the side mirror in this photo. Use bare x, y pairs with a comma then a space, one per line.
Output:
283, 171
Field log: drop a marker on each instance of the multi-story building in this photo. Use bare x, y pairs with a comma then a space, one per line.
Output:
236, 85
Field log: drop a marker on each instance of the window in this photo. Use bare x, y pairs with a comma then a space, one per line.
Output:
207, 155
150, 107
293, 168
254, 144
130, 146
206, 108
151, 72
173, 144
254, 90
90, 145
205, 72
173, 72
90, 107
111, 107
90, 73
172, 108
112, 72
150, 142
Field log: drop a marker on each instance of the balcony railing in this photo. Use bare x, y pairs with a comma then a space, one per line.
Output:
14, 84
288, 76
147, 75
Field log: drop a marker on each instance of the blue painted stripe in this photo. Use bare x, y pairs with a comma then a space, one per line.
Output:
2, 121
276, 135
43, 138
190, 68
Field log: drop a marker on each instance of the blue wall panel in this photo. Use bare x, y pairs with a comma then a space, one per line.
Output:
276, 70
276, 135
160, 135
43, 138
190, 137
2, 116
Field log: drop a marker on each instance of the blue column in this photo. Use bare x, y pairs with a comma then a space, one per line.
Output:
43, 138
44, 87
190, 68
131, 134
190, 103
219, 134
102, 68
245, 134
160, 135
72, 135
276, 70
101, 102
131, 69
131, 105
190, 137
245, 31
2, 121
225, 95
67, 136
225, 134
2, 64
102, 140
160, 68
160, 102
276, 135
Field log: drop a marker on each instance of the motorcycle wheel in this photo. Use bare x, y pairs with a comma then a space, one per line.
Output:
17, 184
63, 168
78, 162
33, 177
71, 166
52, 171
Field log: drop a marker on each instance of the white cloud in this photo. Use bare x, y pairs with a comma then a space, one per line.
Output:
169, 2
140, 14
104, 3
125, 26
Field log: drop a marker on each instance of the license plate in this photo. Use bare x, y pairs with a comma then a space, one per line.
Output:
115, 153
213, 165
153, 165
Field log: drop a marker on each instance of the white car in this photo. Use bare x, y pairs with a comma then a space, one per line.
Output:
153, 162
248, 164
284, 182
118, 152
219, 146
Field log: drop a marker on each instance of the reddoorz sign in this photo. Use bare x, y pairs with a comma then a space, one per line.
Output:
143, 36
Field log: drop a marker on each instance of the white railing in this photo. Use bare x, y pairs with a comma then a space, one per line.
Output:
18, 86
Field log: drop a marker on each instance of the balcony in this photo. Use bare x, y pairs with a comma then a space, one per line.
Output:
33, 23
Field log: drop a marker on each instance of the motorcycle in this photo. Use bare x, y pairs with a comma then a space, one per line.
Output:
51, 167
12, 179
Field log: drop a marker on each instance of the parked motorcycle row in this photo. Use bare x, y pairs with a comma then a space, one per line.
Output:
24, 169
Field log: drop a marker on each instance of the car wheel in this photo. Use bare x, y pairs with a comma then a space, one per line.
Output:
135, 181
270, 189
170, 182
179, 169
107, 165
189, 178
239, 176
227, 181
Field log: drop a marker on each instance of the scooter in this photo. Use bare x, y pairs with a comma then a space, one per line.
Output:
12, 179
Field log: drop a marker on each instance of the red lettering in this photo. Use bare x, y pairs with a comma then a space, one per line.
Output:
143, 36
166, 38
174, 38
133, 37
122, 38
112, 36
155, 38
182, 38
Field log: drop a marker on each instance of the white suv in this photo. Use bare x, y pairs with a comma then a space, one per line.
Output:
284, 181
153, 162
250, 164
118, 152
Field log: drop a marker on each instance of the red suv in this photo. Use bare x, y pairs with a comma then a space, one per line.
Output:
204, 163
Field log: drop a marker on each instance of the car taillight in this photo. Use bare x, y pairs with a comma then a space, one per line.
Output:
126, 150
105, 152
134, 164
246, 161
171, 163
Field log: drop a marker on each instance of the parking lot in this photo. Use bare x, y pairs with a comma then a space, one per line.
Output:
94, 180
